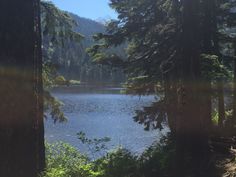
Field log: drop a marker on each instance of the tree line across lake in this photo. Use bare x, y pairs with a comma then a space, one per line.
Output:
182, 50
68, 54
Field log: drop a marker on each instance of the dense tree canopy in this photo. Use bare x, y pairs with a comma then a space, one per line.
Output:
156, 42
176, 49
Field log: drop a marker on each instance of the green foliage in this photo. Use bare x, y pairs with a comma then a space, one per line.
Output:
153, 162
58, 25
215, 117
51, 104
227, 10
228, 118
157, 159
155, 33
119, 163
153, 116
52, 79
149, 33
94, 145
54, 106
140, 85
57, 28
212, 69
108, 59
65, 46
152, 30
49, 72
60, 80
64, 160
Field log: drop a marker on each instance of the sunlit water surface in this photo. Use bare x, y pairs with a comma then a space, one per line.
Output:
101, 113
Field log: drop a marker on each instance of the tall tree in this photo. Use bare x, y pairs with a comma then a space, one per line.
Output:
192, 135
172, 51
153, 37
211, 46
21, 108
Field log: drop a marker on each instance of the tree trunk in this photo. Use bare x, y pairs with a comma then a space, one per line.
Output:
38, 63
212, 24
211, 46
21, 110
192, 138
221, 104
171, 103
234, 89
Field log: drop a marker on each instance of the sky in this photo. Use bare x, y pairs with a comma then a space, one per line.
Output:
92, 9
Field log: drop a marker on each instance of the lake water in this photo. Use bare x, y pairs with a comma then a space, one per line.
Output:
101, 113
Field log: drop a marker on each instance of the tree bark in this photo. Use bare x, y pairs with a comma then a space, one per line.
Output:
221, 104
171, 103
192, 137
21, 108
39, 118
211, 46
215, 50
234, 89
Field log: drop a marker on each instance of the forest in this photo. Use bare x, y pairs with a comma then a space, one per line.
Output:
68, 55
181, 52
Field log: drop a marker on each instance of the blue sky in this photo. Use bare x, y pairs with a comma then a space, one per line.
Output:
93, 9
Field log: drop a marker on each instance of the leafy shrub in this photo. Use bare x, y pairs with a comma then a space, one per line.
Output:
64, 160
119, 163
157, 160
96, 146
215, 117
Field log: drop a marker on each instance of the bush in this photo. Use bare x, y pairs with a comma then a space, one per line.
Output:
63, 160
157, 160
60, 80
119, 163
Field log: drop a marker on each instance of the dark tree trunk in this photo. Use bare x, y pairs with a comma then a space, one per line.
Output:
221, 104
39, 123
192, 138
171, 78
21, 108
192, 122
234, 89
211, 46
207, 48
171, 102
214, 49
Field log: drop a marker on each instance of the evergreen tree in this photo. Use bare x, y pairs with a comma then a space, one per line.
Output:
174, 51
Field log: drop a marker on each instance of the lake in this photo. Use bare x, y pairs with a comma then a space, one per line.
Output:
101, 112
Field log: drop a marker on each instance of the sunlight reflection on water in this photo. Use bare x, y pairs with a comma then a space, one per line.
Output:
100, 115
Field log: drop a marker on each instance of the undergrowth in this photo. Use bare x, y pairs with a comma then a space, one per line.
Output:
63, 160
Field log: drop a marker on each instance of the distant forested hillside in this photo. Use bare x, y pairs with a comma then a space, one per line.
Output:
69, 55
